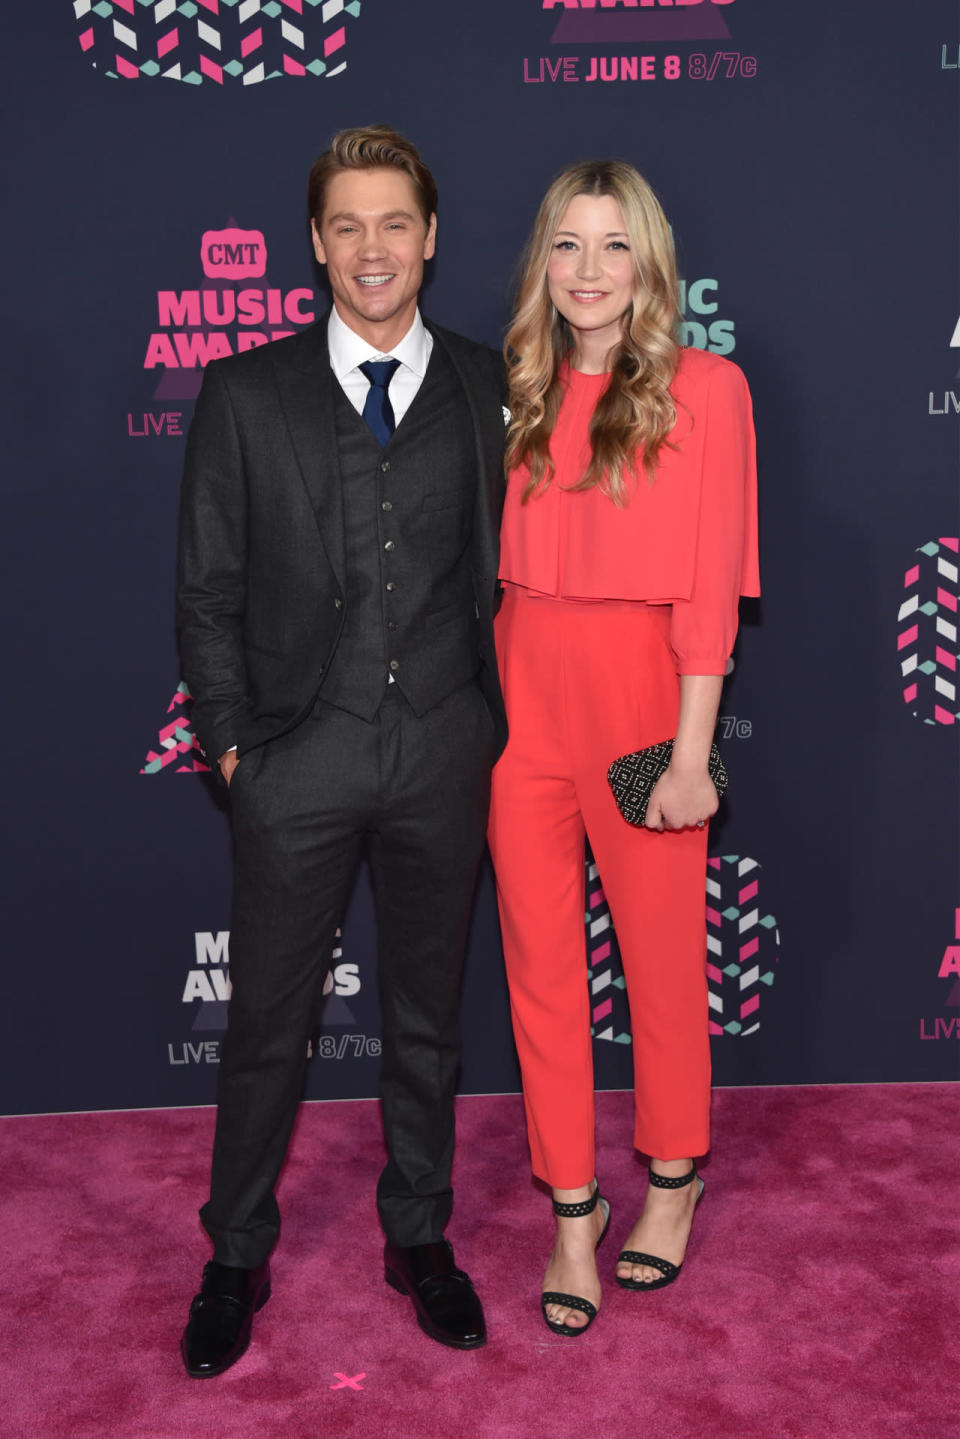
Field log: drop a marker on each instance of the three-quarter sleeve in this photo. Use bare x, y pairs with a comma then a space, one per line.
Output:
704, 626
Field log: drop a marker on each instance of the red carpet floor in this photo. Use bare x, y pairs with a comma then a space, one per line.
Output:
819, 1301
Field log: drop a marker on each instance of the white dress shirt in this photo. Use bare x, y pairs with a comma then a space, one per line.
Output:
348, 351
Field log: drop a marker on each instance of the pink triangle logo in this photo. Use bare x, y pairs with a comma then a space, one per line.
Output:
178, 750
583, 22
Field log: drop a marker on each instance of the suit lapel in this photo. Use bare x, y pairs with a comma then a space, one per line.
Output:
488, 431
306, 385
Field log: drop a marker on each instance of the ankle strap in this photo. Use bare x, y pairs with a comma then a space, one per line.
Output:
577, 1211
661, 1181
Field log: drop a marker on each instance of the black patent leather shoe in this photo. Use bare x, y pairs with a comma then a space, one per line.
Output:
443, 1296
221, 1317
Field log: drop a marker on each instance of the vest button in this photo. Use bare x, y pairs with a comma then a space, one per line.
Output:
389, 545
391, 586
386, 505
338, 603
384, 466
391, 625
394, 665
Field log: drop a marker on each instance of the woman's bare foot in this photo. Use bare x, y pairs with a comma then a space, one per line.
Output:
664, 1226
573, 1267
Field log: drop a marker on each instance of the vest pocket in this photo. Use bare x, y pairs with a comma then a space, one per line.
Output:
448, 500
444, 616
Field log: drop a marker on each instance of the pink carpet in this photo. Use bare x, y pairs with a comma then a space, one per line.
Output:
820, 1298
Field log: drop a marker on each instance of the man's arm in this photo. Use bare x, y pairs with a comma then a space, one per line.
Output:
212, 569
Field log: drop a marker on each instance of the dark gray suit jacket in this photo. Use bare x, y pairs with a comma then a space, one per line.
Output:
261, 573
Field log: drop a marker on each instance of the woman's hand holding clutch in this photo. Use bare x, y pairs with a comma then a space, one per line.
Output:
682, 799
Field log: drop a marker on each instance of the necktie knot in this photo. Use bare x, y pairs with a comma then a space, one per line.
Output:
379, 372
377, 409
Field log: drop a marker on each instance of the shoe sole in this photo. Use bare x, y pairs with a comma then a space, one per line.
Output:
397, 1283
222, 1368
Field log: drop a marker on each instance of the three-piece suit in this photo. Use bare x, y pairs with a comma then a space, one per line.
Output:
335, 608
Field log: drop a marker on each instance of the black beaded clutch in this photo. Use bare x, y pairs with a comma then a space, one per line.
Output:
633, 776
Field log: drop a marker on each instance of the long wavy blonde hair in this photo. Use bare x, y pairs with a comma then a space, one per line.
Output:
636, 411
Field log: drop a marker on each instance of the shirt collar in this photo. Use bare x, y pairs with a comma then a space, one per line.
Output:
348, 349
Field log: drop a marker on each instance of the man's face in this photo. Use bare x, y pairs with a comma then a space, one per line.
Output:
373, 240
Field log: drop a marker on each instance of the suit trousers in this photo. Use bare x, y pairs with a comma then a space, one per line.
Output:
583, 684
412, 794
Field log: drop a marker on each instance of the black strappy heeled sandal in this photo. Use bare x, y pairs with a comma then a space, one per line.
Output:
574, 1301
632, 1256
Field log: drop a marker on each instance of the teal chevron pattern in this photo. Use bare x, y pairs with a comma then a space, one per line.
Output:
743, 945
215, 41
927, 645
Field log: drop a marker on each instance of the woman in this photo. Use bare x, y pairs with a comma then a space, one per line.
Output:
629, 533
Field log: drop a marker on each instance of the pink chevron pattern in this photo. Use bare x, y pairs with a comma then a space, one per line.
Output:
177, 747
609, 1015
215, 41
927, 633
743, 945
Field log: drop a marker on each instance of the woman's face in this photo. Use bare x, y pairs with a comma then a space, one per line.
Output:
591, 269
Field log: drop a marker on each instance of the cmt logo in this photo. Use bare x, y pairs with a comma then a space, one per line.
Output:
210, 982
927, 632
698, 298
218, 41
950, 963
233, 254
234, 308
941, 1028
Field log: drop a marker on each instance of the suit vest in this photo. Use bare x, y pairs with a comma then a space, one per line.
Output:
409, 603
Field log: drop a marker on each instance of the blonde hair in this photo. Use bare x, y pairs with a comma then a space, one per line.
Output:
636, 411
370, 147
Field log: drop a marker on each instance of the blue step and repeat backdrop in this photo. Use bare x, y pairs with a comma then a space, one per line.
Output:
807, 155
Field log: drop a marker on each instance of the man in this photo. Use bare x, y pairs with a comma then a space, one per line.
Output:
337, 580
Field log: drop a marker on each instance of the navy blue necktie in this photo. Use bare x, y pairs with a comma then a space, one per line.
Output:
377, 409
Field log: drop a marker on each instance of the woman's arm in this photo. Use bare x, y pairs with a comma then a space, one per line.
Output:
685, 793
704, 627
